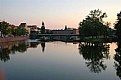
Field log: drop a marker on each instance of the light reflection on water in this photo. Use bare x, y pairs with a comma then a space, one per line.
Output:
60, 61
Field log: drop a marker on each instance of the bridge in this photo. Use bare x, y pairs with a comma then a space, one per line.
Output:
61, 37
58, 35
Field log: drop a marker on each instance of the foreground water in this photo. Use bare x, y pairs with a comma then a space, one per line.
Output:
59, 61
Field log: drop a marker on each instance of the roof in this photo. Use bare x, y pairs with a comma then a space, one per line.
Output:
35, 26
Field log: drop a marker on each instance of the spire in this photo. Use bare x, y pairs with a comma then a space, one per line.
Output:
65, 27
42, 23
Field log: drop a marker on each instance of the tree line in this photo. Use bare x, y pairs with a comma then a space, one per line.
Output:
7, 30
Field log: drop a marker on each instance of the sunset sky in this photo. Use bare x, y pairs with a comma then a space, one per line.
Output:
55, 13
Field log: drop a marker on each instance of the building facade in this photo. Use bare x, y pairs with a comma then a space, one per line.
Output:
24, 26
66, 31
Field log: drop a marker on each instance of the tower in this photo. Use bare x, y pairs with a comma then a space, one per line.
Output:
42, 28
43, 23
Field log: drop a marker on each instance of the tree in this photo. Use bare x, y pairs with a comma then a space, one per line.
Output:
118, 25
93, 25
117, 59
43, 28
13, 31
1, 29
4, 28
21, 31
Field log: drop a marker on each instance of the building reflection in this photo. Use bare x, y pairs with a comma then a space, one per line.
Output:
117, 58
94, 54
33, 44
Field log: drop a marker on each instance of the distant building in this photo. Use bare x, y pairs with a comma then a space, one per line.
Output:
48, 31
12, 26
24, 25
33, 28
66, 31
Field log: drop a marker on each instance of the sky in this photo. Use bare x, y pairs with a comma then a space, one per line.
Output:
55, 13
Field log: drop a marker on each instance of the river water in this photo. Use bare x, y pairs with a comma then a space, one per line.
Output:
60, 61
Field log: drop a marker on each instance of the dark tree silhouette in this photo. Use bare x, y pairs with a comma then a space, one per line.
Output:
93, 25
4, 28
118, 60
118, 26
94, 55
118, 50
4, 54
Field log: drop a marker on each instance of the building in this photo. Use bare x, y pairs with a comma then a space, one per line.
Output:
66, 31
24, 26
33, 28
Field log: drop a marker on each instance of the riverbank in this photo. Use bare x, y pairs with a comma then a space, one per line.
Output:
12, 39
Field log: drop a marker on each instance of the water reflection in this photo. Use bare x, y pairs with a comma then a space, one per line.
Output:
43, 46
33, 44
118, 60
94, 54
61, 60
11, 48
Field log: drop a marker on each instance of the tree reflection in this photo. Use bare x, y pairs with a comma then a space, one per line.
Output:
118, 60
22, 47
11, 48
43, 46
4, 54
94, 54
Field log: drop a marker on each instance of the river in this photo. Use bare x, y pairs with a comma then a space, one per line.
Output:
25, 60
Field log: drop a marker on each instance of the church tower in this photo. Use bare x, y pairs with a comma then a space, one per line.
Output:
42, 30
